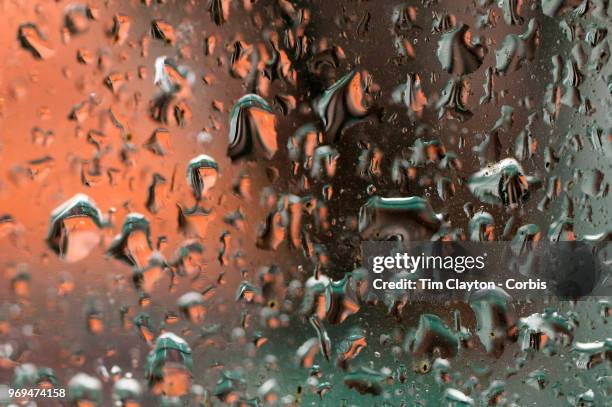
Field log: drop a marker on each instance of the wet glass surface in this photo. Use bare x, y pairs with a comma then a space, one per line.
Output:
184, 187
